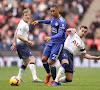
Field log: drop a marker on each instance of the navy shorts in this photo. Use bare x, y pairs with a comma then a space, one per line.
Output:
23, 51
53, 51
65, 54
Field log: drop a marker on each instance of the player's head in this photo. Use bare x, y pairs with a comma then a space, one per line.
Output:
83, 30
26, 14
54, 11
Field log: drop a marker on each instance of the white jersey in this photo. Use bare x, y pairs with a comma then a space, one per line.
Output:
74, 44
23, 29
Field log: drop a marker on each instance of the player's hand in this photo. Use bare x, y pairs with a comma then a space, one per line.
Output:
98, 58
35, 22
13, 47
71, 30
47, 39
30, 42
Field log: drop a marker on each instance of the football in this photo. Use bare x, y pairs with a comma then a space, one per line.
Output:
14, 81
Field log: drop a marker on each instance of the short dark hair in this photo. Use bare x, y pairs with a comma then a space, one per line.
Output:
54, 6
85, 27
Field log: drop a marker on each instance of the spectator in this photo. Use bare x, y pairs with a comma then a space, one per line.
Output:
74, 9
10, 15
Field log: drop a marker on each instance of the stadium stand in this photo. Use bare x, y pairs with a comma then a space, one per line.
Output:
10, 15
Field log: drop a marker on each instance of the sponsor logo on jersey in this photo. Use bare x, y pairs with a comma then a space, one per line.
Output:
54, 29
63, 26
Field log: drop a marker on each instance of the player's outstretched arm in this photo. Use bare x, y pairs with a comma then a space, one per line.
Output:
88, 56
71, 30
42, 21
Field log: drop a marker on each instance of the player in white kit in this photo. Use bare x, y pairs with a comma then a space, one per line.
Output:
21, 44
72, 44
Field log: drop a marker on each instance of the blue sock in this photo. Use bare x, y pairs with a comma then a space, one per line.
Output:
46, 66
53, 71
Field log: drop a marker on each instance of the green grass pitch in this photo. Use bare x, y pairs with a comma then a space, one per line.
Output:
84, 79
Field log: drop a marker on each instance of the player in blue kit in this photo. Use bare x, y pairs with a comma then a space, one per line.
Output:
55, 42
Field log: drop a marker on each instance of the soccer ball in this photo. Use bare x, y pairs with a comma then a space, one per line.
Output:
14, 81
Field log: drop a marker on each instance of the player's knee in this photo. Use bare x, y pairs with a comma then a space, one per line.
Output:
44, 60
68, 80
51, 62
25, 63
65, 65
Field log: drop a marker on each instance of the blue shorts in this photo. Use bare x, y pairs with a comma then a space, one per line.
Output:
53, 51
65, 54
23, 51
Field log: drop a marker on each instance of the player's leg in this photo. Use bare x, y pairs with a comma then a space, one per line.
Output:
47, 68
22, 68
32, 66
21, 55
53, 70
55, 52
25, 53
61, 70
46, 64
66, 59
45, 56
67, 78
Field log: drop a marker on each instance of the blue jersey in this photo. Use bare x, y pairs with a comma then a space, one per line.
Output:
58, 29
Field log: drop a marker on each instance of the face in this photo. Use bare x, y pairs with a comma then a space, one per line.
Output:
27, 16
82, 32
54, 12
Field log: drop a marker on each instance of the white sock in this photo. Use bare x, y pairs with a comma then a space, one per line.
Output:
60, 72
21, 71
33, 71
63, 79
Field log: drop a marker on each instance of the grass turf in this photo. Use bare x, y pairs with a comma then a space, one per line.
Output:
84, 79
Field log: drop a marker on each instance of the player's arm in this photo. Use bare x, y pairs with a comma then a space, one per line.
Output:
20, 35
58, 35
15, 35
88, 56
41, 21
85, 55
24, 40
13, 47
71, 30
61, 31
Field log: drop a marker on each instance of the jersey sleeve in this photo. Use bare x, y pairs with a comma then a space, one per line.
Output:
82, 48
61, 30
45, 21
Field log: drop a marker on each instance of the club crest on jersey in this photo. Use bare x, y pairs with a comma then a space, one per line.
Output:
62, 25
56, 24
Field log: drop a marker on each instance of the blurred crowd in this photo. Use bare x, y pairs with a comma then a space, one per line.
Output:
93, 36
71, 10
